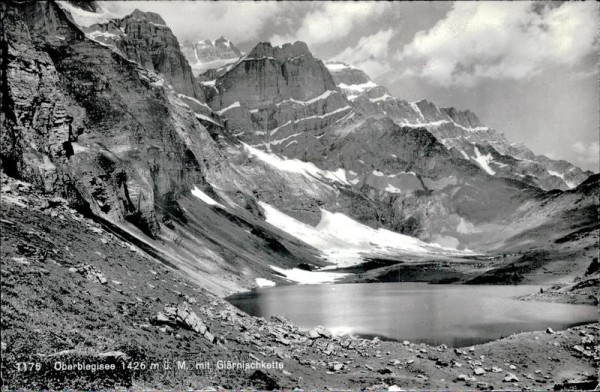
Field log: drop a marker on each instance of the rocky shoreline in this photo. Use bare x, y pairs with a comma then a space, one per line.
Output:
76, 294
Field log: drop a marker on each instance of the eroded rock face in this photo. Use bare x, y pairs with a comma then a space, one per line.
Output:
269, 74
32, 102
466, 118
145, 38
86, 124
274, 96
93, 121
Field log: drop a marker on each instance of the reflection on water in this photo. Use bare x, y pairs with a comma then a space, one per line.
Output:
435, 314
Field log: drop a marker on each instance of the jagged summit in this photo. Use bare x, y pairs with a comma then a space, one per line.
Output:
208, 54
228, 49
346, 74
142, 37
222, 41
151, 17
269, 74
281, 99
465, 118
283, 52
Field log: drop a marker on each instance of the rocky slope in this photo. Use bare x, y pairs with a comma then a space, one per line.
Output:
112, 138
132, 311
119, 143
124, 163
430, 195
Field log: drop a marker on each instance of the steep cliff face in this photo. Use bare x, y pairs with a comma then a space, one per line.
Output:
142, 37
269, 74
274, 95
418, 186
438, 176
465, 118
85, 123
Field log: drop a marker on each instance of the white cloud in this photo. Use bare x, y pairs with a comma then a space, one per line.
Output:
370, 54
500, 40
240, 22
587, 154
331, 21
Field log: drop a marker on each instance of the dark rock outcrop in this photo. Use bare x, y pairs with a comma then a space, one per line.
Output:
269, 74
275, 95
145, 38
84, 123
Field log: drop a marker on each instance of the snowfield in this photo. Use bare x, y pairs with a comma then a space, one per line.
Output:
261, 282
484, 161
309, 277
297, 166
345, 241
85, 18
205, 198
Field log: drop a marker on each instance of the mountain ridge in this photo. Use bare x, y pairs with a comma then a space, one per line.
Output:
408, 181
135, 197
459, 129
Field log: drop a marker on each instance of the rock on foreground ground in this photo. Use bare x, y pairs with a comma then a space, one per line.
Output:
124, 308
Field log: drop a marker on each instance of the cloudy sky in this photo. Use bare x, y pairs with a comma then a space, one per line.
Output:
530, 70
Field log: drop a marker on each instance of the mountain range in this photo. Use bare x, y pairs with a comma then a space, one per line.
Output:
109, 115
235, 170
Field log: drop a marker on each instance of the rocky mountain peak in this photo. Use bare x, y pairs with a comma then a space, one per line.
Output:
209, 54
269, 74
466, 118
221, 41
346, 74
430, 111
148, 16
285, 52
144, 37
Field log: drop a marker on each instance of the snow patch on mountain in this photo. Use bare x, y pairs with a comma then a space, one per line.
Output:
233, 105
261, 282
309, 277
183, 96
85, 18
335, 66
392, 189
562, 177
415, 107
484, 161
344, 241
382, 98
205, 198
206, 118
308, 102
296, 166
352, 91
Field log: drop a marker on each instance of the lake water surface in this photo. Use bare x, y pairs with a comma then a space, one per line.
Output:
455, 315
